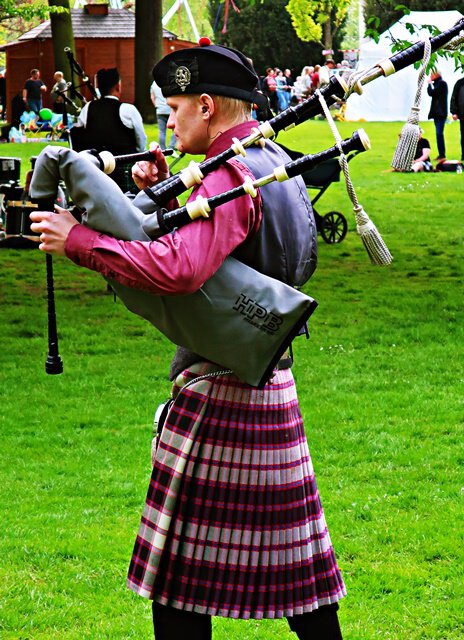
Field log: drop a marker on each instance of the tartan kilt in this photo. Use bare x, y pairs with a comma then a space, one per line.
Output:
233, 525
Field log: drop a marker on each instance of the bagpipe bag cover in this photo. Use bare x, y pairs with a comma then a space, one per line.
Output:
240, 319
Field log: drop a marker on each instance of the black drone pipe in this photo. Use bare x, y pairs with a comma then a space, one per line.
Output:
53, 363
107, 162
76, 68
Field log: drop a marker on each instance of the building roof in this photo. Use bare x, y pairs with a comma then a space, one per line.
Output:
119, 23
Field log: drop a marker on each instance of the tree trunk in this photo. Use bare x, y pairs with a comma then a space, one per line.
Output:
62, 35
148, 51
327, 35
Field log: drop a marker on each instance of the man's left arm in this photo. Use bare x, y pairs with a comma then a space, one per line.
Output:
177, 263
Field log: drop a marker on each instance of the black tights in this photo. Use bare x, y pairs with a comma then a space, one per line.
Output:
175, 624
321, 624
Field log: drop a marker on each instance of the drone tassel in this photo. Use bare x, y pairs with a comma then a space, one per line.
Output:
409, 136
376, 248
371, 238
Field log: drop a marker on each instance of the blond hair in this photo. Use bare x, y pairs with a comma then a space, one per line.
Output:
234, 109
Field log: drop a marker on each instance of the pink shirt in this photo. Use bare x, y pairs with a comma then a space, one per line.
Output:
179, 262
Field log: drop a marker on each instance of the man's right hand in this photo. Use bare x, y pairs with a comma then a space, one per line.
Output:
146, 174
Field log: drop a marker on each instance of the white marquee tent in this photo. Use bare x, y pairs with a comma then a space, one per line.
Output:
391, 99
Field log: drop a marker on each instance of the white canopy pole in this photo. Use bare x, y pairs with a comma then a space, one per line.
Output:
177, 4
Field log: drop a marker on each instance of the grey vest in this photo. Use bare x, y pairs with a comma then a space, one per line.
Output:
285, 246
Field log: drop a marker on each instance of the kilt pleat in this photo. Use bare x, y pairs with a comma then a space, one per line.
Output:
233, 525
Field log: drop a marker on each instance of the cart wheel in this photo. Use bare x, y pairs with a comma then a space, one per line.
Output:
334, 227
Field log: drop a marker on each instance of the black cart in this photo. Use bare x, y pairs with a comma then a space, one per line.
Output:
332, 225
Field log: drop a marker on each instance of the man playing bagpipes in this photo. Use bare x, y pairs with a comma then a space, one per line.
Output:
233, 525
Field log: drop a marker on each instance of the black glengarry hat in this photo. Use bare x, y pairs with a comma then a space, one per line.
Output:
208, 68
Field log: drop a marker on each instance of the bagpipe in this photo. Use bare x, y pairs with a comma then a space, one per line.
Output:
74, 87
240, 318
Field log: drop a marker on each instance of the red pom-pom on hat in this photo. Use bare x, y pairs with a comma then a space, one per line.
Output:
204, 41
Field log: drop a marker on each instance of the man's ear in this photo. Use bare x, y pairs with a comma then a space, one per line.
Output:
207, 105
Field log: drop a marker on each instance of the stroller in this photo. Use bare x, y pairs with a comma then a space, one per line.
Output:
332, 226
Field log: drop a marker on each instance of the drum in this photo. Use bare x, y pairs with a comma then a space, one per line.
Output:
18, 222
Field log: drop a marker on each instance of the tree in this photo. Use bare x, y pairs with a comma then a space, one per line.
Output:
11, 9
378, 22
62, 32
351, 33
390, 11
148, 51
19, 17
264, 32
318, 20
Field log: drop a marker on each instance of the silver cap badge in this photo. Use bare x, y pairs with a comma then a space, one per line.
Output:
183, 77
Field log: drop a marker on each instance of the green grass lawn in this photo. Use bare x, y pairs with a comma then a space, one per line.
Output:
381, 388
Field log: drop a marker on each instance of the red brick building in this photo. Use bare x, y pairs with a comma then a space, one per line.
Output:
101, 41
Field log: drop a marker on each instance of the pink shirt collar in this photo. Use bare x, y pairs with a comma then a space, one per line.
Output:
222, 142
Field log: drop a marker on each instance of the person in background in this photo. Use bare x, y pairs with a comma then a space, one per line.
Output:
18, 107
58, 100
457, 109
327, 69
108, 124
290, 84
315, 78
33, 90
3, 95
345, 68
283, 96
162, 115
438, 91
306, 82
270, 89
421, 160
